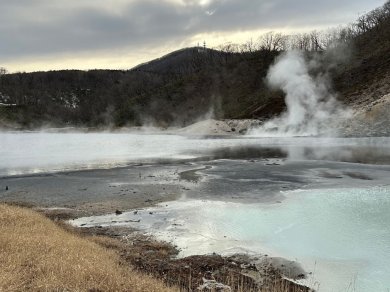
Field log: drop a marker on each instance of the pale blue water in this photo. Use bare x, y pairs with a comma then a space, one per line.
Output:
340, 235
342, 228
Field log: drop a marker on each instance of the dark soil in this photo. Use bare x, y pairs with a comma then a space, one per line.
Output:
159, 260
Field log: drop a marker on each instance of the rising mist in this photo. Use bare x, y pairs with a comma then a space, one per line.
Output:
312, 110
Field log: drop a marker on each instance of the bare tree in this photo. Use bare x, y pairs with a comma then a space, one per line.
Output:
248, 46
228, 49
272, 41
315, 39
265, 41
301, 42
278, 42
386, 8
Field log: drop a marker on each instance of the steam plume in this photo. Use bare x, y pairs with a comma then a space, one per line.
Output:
311, 108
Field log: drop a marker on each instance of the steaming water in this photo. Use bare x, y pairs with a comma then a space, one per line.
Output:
47, 152
26, 153
341, 234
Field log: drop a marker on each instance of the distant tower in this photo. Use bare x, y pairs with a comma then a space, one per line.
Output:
204, 45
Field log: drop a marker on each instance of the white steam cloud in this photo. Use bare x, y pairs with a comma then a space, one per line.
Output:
311, 109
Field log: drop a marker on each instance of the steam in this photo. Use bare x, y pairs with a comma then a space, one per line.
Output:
312, 109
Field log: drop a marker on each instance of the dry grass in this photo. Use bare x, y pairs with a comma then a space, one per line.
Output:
38, 255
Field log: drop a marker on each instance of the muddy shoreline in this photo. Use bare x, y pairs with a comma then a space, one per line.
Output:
244, 178
238, 272
68, 195
95, 192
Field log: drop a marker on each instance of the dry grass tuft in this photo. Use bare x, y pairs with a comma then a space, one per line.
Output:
38, 255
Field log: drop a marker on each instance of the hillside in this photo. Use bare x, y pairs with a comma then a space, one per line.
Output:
189, 85
179, 88
366, 76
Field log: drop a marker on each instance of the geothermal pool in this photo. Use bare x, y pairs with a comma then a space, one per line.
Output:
39, 152
341, 236
320, 201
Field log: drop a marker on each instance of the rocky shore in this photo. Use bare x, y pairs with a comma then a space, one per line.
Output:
238, 272
65, 196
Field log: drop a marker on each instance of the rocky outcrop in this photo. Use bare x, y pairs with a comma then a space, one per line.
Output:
371, 119
212, 127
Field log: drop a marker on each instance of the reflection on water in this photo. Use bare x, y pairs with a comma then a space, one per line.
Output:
344, 226
353, 154
340, 235
246, 152
23, 153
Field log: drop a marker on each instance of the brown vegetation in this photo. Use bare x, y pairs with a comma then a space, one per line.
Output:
38, 255
158, 259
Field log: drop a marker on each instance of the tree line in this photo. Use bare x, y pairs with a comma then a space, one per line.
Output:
182, 86
314, 40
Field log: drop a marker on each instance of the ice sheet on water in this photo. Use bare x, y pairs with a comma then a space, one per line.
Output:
341, 235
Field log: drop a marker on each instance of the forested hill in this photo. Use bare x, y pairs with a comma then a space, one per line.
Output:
178, 88
191, 83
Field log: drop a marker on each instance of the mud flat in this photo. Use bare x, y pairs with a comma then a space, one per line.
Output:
274, 197
64, 196
95, 191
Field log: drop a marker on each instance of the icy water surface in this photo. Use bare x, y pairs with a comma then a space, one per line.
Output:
341, 236
323, 202
26, 153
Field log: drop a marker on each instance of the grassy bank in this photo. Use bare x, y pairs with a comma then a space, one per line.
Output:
38, 255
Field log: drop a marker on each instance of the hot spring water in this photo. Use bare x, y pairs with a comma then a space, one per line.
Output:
340, 233
341, 236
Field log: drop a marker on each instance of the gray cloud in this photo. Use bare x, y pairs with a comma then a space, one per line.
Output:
42, 27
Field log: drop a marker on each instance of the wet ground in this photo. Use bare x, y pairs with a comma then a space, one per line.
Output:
237, 180
227, 180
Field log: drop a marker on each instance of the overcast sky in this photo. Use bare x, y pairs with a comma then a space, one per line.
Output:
119, 34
